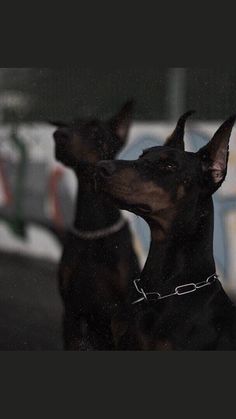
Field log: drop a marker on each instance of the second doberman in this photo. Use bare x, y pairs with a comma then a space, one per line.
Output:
179, 302
99, 263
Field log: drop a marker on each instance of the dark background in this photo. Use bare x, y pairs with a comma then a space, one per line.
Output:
160, 92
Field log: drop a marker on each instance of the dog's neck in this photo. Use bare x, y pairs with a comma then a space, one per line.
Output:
93, 211
183, 256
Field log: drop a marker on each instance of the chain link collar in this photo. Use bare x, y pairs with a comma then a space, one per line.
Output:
99, 234
179, 291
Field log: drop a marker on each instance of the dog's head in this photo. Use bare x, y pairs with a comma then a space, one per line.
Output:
92, 140
166, 179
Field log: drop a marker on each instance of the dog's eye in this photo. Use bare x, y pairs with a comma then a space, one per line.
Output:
168, 166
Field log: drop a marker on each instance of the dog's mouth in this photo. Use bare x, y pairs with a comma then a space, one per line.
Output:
139, 209
64, 156
120, 196
145, 208
114, 189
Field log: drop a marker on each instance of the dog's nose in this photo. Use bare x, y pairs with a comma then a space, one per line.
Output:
61, 136
106, 168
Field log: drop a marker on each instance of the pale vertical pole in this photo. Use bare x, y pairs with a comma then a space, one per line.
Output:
2, 74
176, 92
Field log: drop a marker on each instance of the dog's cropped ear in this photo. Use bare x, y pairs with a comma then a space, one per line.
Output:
120, 123
214, 156
176, 140
58, 124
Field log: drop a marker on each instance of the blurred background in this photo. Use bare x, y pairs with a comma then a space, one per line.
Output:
37, 194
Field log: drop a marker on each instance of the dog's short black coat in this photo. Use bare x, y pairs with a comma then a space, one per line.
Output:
94, 275
172, 190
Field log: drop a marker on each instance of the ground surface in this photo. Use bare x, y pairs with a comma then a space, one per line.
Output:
30, 307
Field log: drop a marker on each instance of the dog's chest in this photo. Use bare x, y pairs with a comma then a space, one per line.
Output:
97, 273
171, 328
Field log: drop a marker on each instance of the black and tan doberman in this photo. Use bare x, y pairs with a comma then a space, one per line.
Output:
99, 262
179, 302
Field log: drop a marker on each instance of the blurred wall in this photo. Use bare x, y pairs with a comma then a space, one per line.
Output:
64, 93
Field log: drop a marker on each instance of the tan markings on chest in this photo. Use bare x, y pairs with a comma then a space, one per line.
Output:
113, 283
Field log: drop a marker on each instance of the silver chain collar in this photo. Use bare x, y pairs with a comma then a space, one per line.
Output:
179, 291
99, 234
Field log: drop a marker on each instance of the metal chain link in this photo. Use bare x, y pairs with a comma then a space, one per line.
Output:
179, 291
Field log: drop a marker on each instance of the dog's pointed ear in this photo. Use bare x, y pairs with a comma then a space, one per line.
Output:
120, 123
176, 140
58, 124
214, 156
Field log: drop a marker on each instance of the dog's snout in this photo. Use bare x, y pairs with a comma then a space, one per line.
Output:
106, 169
61, 136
